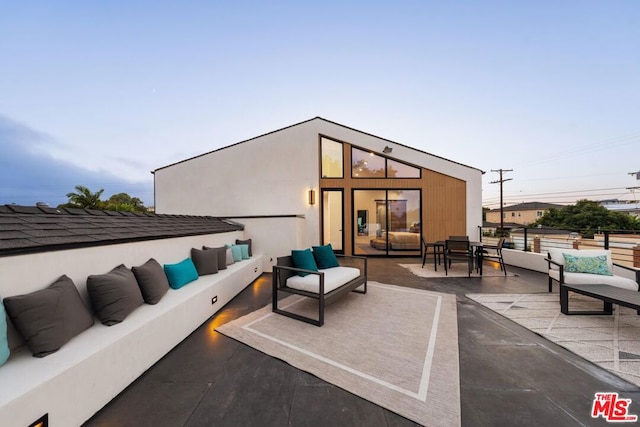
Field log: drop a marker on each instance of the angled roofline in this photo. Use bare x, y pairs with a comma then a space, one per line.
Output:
310, 120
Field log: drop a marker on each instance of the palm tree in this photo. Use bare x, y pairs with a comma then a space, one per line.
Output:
84, 198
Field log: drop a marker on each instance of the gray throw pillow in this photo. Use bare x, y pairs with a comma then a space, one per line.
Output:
114, 295
205, 260
49, 318
222, 256
152, 281
245, 242
229, 255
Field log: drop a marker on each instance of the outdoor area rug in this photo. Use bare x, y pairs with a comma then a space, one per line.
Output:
396, 347
612, 342
456, 270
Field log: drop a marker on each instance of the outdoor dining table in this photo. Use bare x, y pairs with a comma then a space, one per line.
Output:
438, 247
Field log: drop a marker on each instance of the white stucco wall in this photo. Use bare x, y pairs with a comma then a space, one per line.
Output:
271, 175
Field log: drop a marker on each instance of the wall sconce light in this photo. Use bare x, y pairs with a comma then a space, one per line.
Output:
312, 197
387, 149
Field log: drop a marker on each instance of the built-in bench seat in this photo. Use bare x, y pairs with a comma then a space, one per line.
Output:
75, 382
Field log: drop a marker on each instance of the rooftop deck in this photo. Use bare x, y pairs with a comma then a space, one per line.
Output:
508, 375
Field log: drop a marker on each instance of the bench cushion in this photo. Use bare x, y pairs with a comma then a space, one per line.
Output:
152, 281
47, 319
333, 279
114, 295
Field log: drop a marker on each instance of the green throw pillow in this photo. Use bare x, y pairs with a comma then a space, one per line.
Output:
325, 257
583, 264
4, 344
304, 259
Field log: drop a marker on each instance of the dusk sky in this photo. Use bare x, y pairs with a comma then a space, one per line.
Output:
102, 93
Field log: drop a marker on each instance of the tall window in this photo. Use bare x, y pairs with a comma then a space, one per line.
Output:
332, 163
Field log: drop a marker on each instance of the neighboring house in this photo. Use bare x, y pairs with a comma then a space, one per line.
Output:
632, 207
522, 213
319, 182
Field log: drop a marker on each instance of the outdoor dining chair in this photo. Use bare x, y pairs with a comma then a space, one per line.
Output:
458, 251
494, 253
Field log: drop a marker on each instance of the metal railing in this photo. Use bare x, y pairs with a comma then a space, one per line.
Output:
624, 244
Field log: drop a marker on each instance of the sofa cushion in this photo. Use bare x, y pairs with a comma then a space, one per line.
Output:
114, 295
584, 264
245, 242
556, 254
4, 343
152, 281
594, 279
333, 279
205, 260
325, 257
222, 256
181, 273
303, 259
49, 318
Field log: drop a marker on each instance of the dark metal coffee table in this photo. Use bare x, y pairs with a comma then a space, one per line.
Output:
609, 295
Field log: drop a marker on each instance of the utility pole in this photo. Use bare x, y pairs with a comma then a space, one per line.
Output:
500, 181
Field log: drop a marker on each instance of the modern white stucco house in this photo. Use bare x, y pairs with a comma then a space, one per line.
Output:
371, 195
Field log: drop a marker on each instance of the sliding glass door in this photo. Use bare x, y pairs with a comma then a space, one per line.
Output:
386, 222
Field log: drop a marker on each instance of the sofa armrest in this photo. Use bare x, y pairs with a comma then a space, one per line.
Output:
634, 269
560, 268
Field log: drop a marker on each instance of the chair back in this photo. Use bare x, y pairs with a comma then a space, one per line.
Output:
463, 238
500, 244
457, 246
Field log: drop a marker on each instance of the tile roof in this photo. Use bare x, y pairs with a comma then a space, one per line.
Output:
529, 206
30, 229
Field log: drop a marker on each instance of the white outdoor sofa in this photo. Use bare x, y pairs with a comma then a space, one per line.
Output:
324, 285
558, 273
75, 382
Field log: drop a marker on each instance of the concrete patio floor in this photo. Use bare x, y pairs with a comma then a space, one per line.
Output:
509, 376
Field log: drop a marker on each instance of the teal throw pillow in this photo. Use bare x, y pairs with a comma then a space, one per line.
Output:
325, 257
583, 264
181, 273
244, 250
4, 343
236, 252
304, 259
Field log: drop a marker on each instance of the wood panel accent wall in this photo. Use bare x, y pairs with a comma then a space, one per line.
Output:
444, 206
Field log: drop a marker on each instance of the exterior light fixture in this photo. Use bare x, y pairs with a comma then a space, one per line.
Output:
312, 197
387, 149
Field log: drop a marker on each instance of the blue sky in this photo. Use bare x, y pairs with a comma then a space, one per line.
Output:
101, 93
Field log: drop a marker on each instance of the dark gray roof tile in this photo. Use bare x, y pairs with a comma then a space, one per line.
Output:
25, 229
76, 211
10, 235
